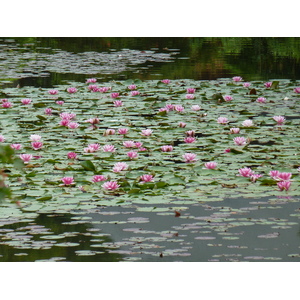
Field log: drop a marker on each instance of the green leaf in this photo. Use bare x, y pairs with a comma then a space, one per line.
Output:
88, 165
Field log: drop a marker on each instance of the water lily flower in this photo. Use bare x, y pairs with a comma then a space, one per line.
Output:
210, 165
146, 178
227, 98
98, 178
110, 185
189, 140
237, 78
284, 185
247, 123
60, 102
53, 92
129, 144
274, 174
268, 84
132, 87
95, 147
16, 146
26, 157
189, 157
120, 166
284, 176
195, 107
2, 138
73, 125
93, 87
182, 124
179, 108
297, 90
91, 80
37, 145
48, 111
72, 155
109, 148
247, 84
26, 101
227, 150
240, 141
254, 177
114, 95
166, 81
134, 93
132, 154
109, 132
123, 131
166, 148
190, 90
261, 100
246, 172
7, 105
279, 119
35, 137
170, 106
234, 130
190, 133
104, 89
67, 115
71, 90
64, 122
118, 103
147, 132
222, 120
67, 180
189, 96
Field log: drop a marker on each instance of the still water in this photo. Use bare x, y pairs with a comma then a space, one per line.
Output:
233, 230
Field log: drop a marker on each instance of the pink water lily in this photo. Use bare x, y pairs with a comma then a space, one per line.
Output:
60, 102
26, 158
182, 124
146, 178
254, 177
35, 137
16, 146
166, 81
91, 80
109, 131
2, 138
132, 154
189, 140
246, 172
222, 120
64, 122
196, 107
129, 144
95, 147
26, 101
36, 145
284, 176
279, 119
147, 132
53, 92
166, 148
190, 133
261, 100
246, 84
189, 96
72, 90
123, 131
284, 185
72, 155
93, 87
48, 111
234, 130
98, 178
132, 87
210, 165
120, 166
179, 108
109, 148
7, 105
118, 103
134, 93
110, 185
73, 125
274, 174
247, 123
67, 180
297, 90
227, 98
138, 144
189, 157
268, 84
240, 141
190, 90
237, 78
115, 95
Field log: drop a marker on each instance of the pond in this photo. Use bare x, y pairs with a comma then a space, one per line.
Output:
150, 149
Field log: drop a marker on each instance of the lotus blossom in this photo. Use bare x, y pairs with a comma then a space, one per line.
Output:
247, 84
284, 176
118, 103
146, 178
210, 165
190, 133
114, 95
279, 119
93, 121
166, 148
7, 105
104, 89
132, 154
89, 150
297, 90
37, 145
109, 132
134, 93
91, 80
93, 87
147, 132
222, 120
16, 146
254, 177
163, 109
26, 157
120, 166
60, 102
170, 106
247, 123
237, 78
261, 100
132, 87
182, 124
189, 157
189, 96
166, 81
284, 185
95, 147
2, 138
195, 107
110, 185
72, 155
53, 92
234, 130
35, 137
109, 148
240, 141
67, 180
48, 111
98, 178
268, 84
190, 90
274, 174
129, 144
179, 108
71, 90
73, 125
67, 115
246, 172
227, 150
189, 140
26, 101
123, 131
227, 98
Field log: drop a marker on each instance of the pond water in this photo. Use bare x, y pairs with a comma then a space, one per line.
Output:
188, 214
